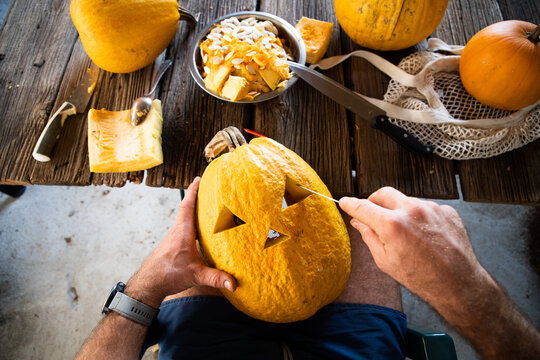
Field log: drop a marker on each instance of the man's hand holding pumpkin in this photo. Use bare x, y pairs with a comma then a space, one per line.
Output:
176, 264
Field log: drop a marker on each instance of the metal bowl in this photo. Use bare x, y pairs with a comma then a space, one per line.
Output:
285, 31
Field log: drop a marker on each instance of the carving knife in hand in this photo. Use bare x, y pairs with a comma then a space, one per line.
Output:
363, 108
76, 104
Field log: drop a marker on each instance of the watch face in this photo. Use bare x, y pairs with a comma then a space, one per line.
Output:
116, 288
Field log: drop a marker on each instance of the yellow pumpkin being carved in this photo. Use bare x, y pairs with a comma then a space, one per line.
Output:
500, 65
122, 36
390, 24
287, 248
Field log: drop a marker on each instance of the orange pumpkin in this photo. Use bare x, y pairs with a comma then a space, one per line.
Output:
500, 65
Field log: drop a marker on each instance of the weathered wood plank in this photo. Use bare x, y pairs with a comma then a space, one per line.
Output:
303, 119
379, 161
513, 177
526, 10
35, 45
190, 116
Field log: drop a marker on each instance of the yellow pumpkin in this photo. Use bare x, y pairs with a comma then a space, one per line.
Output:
500, 65
287, 248
389, 24
122, 36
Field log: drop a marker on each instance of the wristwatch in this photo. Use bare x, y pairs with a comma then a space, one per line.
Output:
128, 307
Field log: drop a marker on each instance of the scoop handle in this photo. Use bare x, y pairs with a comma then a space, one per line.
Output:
45, 144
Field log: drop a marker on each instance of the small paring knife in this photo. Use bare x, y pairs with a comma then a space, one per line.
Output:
364, 109
316, 193
76, 104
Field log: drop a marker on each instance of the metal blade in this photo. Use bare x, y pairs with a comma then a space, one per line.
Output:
316, 193
83, 92
337, 92
374, 115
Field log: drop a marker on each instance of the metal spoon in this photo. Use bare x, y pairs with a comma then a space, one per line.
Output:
141, 106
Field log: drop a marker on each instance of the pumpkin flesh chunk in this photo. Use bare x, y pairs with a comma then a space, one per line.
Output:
114, 145
316, 35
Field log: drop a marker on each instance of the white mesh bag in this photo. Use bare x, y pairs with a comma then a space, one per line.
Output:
426, 98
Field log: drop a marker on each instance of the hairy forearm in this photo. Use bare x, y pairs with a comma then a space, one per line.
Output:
481, 310
115, 338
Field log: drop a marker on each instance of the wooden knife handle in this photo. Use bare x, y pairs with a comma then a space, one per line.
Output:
51, 133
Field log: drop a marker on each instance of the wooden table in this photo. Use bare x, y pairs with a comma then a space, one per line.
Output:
41, 59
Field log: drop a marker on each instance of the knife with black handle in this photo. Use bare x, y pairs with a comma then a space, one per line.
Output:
363, 108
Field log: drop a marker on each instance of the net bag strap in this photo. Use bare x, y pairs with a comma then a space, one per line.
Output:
437, 114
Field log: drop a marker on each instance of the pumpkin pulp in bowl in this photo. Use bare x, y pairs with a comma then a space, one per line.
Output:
242, 59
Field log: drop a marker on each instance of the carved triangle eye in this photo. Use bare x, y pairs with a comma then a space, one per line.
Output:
274, 237
293, 194
227, 220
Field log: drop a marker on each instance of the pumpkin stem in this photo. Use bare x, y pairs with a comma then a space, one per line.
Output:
190, 18
534, 36
229, 138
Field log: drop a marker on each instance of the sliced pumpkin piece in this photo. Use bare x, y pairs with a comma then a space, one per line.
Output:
215, 80
271, 78
316, 35
114, 145
235, 88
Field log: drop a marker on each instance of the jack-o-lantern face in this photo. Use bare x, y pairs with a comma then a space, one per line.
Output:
287, 248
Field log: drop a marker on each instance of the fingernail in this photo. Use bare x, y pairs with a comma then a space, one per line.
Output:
228, 285
197, 178
355, 223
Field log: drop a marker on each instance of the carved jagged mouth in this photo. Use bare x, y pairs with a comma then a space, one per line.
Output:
274, 237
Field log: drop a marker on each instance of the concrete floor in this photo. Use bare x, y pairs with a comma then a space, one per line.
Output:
62, 249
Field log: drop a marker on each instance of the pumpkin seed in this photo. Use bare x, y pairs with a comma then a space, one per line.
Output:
251, 70
229, 55
237, 61
207, 69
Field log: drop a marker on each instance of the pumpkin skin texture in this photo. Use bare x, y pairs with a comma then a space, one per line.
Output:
389, 24
500, 67
122, 36
278, 281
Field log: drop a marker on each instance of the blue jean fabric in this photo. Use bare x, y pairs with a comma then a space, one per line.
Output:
209, 327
